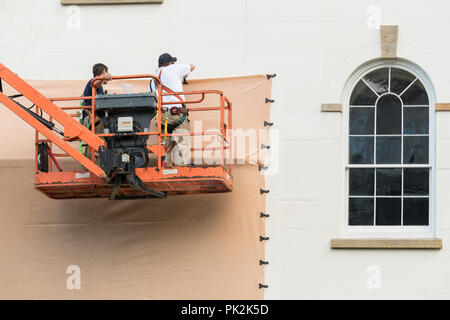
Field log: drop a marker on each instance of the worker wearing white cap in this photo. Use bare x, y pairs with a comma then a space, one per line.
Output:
176, 115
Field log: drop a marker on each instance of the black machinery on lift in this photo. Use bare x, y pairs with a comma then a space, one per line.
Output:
125, 115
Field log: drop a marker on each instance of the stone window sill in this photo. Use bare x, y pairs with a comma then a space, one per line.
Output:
77, 2
386, 243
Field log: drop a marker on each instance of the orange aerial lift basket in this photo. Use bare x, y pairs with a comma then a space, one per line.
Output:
130, 164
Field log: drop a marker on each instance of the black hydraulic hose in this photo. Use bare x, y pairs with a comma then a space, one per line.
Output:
117, 181
45, 122
15, 96
137, 184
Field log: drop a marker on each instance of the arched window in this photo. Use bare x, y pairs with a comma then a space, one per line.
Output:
390, 168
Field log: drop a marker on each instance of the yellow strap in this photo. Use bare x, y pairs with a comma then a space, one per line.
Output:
165, 129
165, 125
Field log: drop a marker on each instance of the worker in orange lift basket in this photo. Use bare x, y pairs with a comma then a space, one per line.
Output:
99, 69
174, 116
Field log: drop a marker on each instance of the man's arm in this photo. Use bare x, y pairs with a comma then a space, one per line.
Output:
183, 69
98, 83
191, 67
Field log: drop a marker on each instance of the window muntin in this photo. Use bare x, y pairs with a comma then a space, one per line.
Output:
389, 150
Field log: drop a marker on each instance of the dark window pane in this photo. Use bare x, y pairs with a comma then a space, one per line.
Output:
362, 95
415, 150
415, 211
361, 182
361, 150
388, 212
378, 80
400, 80
389, 182
415, 95
416, 182
388, 150
415, 120
360, 211
362, 120
389, 115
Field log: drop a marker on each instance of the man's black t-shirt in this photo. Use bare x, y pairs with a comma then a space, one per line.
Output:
87, 93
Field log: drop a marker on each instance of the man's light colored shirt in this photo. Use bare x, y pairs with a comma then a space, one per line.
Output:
172, 78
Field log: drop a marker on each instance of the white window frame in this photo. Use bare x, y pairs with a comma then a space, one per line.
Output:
390, 231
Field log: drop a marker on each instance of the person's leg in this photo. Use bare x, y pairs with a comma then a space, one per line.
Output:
184, 143
87, 124
170, 144
177, 143
98, 130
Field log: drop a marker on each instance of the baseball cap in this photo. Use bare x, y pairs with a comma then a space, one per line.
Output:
166, 58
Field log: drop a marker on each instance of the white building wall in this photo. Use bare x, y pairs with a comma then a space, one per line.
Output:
313, 47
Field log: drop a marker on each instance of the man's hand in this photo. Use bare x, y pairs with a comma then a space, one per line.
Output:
182, 110
107, 76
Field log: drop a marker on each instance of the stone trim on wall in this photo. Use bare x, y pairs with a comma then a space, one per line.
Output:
442, 106
386, 243
331, 107
80, 2
389, 41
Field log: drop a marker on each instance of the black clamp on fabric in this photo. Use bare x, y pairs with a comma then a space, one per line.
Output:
270, 76
270, 100
1, 86
263, 146
261, 238
263, 286
268, 124
264, 215
262, 191
260, 168
262, 262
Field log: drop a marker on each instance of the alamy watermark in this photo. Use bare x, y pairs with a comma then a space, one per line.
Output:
373, 281
73, 281
73, 19
237, 146
373, 20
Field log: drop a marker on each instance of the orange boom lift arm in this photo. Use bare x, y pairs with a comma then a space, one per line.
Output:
73, 130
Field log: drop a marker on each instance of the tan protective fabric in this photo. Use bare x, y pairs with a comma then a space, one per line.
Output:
183, 247
250, 110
